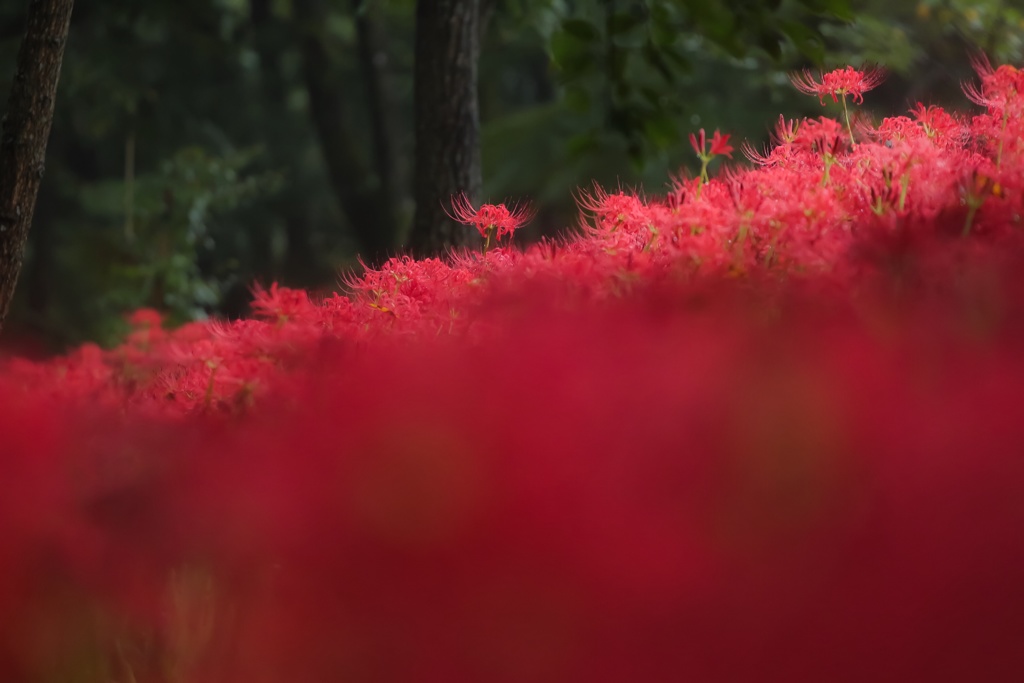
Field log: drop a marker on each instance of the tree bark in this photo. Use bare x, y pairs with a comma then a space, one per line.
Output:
261, 20
447, 119
373, 61
25, 130
361, 195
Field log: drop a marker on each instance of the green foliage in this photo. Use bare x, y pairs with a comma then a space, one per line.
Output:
693, 81
220, 164
154, 233
624, 60
926, 45
996, 27
228, 183
166, 239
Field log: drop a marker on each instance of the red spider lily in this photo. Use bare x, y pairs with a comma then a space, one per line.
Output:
999, 85
936, 121
821, 136
785, 134
725, 399
612, 211
839, 83
719, 144
786, 130
719, 147
490, 219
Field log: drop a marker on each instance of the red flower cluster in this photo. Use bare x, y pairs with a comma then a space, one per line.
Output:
490, 220
767, 422
839, 83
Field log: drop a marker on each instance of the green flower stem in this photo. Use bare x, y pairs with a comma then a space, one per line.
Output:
846, 115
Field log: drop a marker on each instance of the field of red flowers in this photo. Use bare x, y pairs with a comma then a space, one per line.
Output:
768, 426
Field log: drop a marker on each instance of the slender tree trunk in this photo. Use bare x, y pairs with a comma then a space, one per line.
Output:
487, 11
37, 278
362, 197
447, 119
268, 39
25, 131
373, 61
261, 20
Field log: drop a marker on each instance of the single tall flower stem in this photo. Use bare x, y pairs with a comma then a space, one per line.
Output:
974, 202
1002, 136
829, 161
208, 397
846, 115
487, 240
972, 209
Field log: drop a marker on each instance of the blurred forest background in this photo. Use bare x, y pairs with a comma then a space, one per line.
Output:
200, 146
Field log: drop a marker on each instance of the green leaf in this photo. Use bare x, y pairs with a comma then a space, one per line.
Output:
653, 96
577, 99
674, 56
581, 29
771, 44
627, 29
714, 21
836, 8
664, 34
624, 22
618, 60
661, 131
581, 144
805, 39
654, 57
571, 55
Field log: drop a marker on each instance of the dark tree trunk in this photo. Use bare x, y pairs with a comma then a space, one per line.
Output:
362, 196
269, 38
261, 20
373, 67
37, 279
25, 131
447, 119
488, 8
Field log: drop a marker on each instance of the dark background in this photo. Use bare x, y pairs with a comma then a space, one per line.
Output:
187, 158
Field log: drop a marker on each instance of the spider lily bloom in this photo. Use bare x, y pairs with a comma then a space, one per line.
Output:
838, 84
719, 147
490, 220
719, 144
999, 85
785, 134
1000, 93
